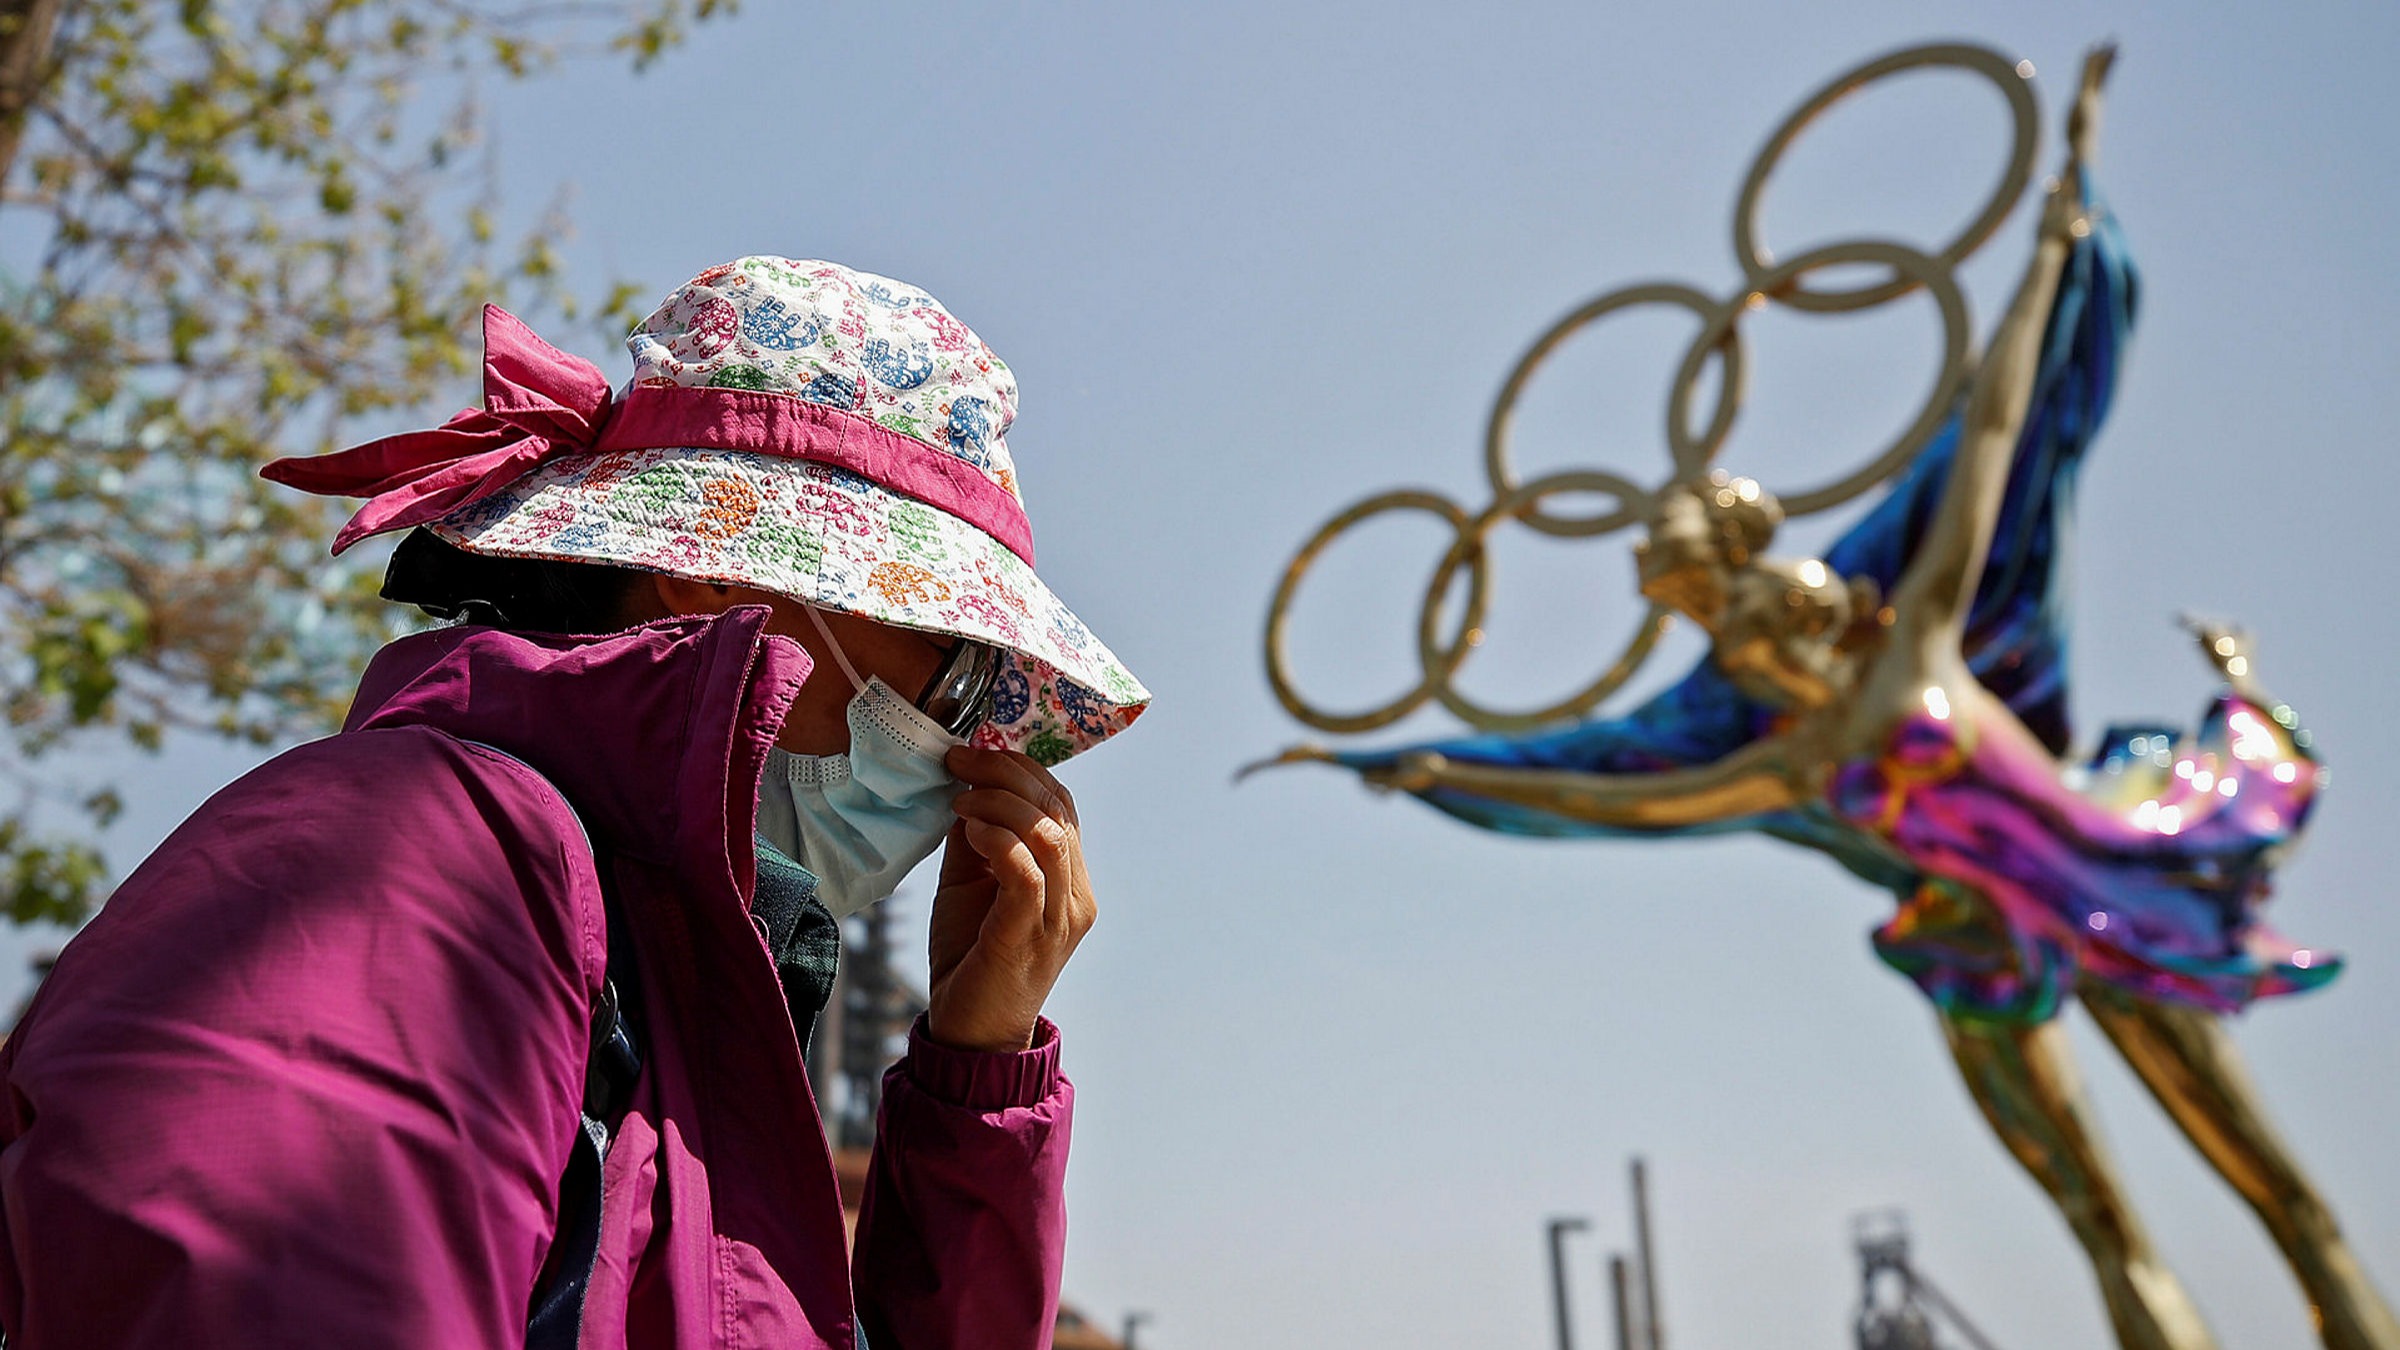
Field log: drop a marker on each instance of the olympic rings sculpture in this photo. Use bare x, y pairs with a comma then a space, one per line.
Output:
1692, 452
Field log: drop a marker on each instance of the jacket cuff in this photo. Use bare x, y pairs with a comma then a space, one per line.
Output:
980, 1080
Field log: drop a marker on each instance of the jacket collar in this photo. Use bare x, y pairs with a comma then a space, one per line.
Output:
656, 734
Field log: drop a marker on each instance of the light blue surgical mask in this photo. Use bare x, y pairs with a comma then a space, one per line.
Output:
861, 821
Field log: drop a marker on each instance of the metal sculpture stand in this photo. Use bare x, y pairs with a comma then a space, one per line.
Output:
1881, 746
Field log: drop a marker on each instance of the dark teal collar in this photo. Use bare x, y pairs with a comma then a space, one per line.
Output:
802, 936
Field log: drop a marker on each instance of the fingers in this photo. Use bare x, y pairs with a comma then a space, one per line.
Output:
962, 862
1019, 910
1043, 817
1013, 772
1030, 851
1014, 905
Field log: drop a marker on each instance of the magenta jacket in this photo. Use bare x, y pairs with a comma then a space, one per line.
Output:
311, 1077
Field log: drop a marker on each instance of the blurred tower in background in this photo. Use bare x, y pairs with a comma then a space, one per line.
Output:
1896, 1304
861, 1033
863, 1029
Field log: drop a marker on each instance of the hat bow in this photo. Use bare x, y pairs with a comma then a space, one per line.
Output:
538, 403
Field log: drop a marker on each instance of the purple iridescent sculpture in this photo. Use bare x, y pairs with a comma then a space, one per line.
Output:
2143, 868
1901, 705
2145, 878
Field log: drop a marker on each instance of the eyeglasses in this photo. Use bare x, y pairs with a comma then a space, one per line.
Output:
960, 694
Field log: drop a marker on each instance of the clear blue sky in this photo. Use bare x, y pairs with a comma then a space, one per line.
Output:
1339, 1058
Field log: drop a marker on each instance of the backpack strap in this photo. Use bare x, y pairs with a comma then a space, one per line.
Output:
556, 1319
612, 1064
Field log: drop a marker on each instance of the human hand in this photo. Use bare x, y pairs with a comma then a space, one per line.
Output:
2064, 215
2083, 123
1012, 903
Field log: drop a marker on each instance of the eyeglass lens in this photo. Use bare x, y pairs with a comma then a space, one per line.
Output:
959, 696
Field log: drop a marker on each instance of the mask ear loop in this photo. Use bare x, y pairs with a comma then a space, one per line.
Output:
839, 657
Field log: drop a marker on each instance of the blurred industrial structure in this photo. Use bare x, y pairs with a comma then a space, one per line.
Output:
1897, 1305
863, 1029
1632, 1277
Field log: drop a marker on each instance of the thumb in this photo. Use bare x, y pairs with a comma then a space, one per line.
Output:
961, 861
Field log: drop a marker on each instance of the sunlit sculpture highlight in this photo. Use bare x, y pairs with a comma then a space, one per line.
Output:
1900, 705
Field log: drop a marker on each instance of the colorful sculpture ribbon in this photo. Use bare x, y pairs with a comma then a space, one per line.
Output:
2095, 887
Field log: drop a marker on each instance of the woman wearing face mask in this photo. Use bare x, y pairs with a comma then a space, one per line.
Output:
480, 1024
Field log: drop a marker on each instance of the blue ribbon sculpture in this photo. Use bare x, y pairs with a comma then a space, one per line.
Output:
1900, 705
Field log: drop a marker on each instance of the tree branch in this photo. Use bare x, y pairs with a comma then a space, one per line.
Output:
26, 67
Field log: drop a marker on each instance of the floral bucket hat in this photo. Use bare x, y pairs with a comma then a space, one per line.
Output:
797, 426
